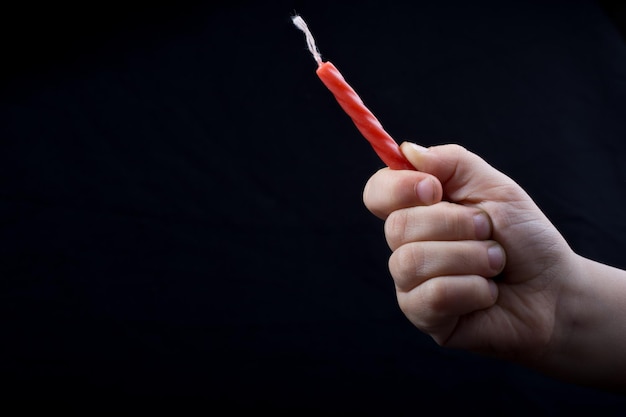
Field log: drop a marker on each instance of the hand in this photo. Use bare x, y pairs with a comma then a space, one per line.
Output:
476, 263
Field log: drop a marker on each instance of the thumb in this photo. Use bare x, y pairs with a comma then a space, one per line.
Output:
465, 177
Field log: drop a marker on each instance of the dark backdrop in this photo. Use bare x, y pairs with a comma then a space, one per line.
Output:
181, 224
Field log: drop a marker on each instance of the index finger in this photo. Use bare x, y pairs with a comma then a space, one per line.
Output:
389, 190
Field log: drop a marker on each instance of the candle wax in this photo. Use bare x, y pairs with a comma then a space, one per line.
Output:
384, 145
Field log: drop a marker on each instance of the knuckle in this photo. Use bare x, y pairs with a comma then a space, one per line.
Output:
407, 308
424, 306
395, 228
406, 265
434, 295
457, 149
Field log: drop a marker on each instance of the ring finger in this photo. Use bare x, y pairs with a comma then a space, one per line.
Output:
413, 263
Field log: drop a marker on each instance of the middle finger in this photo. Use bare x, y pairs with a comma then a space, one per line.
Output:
443, 221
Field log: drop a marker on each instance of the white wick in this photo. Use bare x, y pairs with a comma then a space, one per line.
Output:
310, 41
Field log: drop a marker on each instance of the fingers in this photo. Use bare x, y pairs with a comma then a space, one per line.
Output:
441, 263
389, 190
414, 263
441, 221
436, 306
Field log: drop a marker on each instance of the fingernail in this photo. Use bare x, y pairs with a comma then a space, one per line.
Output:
418, 148
495, 254
482, 226
425, 190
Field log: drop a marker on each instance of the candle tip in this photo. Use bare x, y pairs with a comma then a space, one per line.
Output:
310, 41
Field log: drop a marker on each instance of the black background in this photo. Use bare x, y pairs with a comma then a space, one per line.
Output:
181, 223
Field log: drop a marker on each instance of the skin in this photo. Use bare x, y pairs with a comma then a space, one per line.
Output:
478, 266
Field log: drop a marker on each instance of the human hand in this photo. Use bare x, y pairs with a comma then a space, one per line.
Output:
475, 262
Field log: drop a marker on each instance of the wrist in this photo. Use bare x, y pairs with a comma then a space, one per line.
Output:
589, 325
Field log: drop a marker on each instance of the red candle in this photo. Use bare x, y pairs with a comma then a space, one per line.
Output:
369, 126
